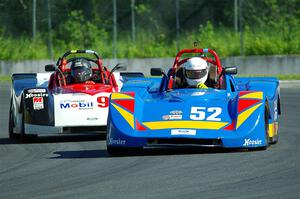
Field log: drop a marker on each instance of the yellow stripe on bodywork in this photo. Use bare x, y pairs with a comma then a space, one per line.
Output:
273, 129
244, 115
120, 96
253, 95
185, 124
126, 115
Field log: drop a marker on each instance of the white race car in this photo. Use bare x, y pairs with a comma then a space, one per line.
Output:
59, 102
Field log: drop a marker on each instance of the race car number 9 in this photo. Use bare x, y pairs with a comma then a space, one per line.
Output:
203, 113
102, 101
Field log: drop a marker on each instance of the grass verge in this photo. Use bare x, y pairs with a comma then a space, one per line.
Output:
4, 78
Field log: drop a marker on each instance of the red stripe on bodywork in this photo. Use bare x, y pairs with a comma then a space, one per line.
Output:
139, 127
126, 103
245, 103
129, 93
244, 92
231, 126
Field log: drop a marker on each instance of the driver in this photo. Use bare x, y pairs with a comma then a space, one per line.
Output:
81, 70
195, 73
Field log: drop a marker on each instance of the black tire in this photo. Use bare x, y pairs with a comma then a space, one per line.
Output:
11, 124
267, 130
267, 137
274, 140
122, 151
24, 137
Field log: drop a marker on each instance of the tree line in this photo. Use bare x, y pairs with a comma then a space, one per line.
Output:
267, 26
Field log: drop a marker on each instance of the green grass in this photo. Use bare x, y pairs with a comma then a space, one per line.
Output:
289, 77
4, 78
156, 44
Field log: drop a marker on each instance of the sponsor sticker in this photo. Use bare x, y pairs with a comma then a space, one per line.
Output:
76, 104
31, 95
117, 141
78, 94
37, 90
183, 132
172, 117
38, 103
249, 142
92, 118
176, 112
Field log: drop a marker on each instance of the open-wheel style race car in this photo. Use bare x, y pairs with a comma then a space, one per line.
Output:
229, 113
72, 97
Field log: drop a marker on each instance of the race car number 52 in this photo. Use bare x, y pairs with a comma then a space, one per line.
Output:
204, 113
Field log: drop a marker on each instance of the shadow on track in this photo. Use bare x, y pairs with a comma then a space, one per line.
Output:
101, 153
80, 154
8, 141
53, 139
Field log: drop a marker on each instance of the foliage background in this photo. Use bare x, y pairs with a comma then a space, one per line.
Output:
269, 27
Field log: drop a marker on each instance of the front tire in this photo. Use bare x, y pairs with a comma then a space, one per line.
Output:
23, 136
11, 124
267, 137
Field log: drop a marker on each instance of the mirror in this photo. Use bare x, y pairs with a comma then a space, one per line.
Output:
231, 70
50, 67
156, 72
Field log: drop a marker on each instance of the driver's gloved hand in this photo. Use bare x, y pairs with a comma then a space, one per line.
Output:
201, 85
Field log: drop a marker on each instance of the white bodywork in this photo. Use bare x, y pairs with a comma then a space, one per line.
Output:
80, 109
70, 110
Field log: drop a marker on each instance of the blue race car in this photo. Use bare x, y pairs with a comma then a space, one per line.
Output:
230, 113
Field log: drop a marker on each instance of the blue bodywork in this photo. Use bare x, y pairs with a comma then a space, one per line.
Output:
148, 112
175, 106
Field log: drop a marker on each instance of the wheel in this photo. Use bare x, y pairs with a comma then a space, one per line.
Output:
274, 139
23, 136
267, 130
11, 124
267, 137
121, 151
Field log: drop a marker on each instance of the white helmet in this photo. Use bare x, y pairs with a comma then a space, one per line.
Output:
195, 71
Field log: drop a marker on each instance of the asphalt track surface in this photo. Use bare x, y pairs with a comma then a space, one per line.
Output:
79, 167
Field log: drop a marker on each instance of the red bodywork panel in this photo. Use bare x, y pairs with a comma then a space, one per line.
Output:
90, 89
